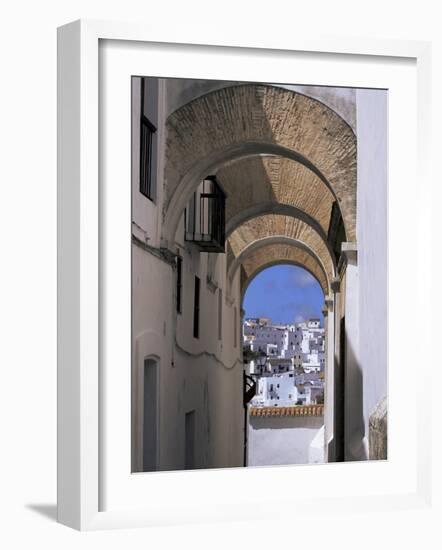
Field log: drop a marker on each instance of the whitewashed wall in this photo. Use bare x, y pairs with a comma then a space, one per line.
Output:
202, 375
372, 233
279, 440
146, 219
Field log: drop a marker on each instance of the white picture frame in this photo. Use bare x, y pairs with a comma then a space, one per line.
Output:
79, 273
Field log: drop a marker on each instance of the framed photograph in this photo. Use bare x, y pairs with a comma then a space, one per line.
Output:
234, 226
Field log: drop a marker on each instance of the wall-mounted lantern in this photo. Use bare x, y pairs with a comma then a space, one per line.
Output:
249, 388
204, 217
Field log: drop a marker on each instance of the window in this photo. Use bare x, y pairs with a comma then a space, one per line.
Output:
179, 283
235, 327
189, 441
147, 131
220, 314
148, 145
196, 309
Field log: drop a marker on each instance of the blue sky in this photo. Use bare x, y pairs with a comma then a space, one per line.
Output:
286, 293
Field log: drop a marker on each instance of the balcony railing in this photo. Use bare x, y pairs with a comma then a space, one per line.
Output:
204, 217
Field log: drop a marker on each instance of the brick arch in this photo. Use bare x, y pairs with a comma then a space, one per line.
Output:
249, 120
262, 228
266, 242
271, 255
273, 183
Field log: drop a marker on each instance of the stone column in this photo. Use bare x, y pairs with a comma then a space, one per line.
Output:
353, 376
329, 377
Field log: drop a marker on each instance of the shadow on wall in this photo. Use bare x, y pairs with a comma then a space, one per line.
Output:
353, 391
351, 437
285, 422
256, 186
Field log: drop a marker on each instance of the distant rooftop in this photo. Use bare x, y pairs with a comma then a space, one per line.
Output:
267, 321
297, 410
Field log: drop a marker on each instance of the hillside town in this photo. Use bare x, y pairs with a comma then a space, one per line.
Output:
287, 362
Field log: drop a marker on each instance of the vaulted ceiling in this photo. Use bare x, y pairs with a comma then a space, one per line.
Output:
268, 227
266, 180
283, 159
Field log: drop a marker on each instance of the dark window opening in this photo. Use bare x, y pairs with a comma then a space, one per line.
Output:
147, 149
189, 441
196, 309
179, 283
235, 327
220, 314
147, 131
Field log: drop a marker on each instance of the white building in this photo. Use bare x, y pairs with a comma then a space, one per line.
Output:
302, 343
287, 390
277, 390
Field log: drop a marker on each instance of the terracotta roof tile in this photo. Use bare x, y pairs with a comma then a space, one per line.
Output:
297, 410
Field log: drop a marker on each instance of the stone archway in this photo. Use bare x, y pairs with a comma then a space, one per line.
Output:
319, 272
249, 120
256, 231
247, 281
281, 253
271, 184
276, 153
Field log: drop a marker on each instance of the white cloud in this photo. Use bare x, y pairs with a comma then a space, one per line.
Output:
303, 279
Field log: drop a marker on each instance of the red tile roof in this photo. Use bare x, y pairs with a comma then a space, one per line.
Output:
298, 410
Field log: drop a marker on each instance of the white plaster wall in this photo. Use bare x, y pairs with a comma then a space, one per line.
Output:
283, 440
151, 334
195, 374
354, 428
372, 245
204, 374
145, 212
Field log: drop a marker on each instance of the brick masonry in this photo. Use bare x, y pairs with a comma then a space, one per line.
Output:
279, 253
256, 180
237, 114
277, 225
